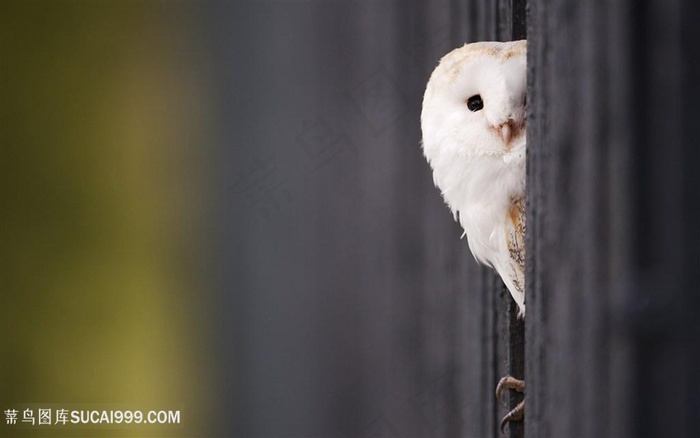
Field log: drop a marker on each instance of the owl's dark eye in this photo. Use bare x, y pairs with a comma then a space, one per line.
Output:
475, 103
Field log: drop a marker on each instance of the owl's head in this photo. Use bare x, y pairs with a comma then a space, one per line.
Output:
474, 103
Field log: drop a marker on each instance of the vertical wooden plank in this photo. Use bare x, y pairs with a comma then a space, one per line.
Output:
568, 322
665, 262
535, 349
612, 219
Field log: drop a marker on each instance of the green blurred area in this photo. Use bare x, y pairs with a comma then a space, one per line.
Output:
102, 199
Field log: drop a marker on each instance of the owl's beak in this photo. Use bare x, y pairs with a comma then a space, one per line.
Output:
506, 132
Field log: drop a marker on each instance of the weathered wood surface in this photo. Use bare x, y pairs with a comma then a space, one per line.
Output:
611, 346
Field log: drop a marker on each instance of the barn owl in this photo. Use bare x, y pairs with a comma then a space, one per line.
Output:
473, 124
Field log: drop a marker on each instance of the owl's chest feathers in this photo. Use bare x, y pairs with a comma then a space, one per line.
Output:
480, 189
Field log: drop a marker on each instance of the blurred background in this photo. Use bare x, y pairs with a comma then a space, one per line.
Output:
104, 210
222, 208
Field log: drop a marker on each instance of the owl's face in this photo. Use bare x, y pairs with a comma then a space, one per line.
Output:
474, 103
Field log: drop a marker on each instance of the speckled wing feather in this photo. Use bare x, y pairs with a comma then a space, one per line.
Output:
515, 238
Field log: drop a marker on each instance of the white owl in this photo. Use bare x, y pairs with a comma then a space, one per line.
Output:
473, 124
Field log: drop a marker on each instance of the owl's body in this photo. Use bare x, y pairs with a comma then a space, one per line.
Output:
473, 124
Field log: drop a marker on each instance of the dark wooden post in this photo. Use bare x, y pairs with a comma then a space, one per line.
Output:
612, 290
